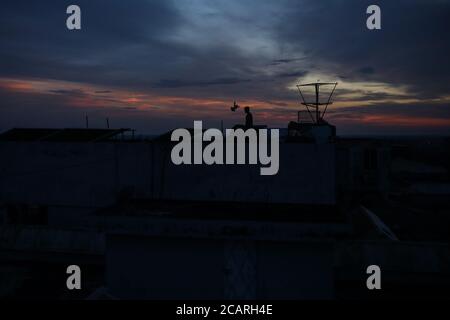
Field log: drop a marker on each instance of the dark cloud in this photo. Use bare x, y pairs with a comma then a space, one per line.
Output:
410, 49
295, 74
284, 61
367, 70
69, 93
229, 50
181, 83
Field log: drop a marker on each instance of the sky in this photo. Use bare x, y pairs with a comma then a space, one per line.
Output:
156, 65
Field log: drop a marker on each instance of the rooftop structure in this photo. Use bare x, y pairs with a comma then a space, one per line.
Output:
61, 135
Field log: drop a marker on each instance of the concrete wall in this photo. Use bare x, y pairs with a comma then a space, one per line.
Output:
188, 268
306, 175
72, 174
89, 175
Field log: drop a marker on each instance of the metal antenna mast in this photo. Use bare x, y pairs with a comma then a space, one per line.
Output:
315, 105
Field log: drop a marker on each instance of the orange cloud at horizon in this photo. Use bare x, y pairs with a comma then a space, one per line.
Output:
408, 121
82, 95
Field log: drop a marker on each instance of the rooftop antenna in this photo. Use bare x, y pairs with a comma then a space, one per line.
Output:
87, 122
107, 123
314, 106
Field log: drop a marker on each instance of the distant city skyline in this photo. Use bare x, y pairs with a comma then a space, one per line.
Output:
158, 65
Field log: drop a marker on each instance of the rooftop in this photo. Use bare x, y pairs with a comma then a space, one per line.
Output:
60, 135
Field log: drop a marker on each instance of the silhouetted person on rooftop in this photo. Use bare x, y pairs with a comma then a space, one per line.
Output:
248, 118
